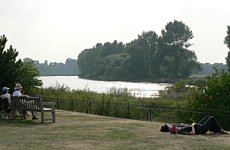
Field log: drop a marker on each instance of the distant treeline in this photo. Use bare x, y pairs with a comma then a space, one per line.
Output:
208, 69
69, 68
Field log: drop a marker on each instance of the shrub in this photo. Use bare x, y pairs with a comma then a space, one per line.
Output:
215, 94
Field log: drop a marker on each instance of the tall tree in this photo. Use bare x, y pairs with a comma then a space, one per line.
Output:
13, 71
177, 60
10, 67
142, 56
177, 33
227, 42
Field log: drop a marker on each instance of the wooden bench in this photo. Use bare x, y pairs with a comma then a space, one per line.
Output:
33, 104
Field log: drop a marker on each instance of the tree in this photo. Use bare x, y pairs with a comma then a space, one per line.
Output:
71, 66
227, 42
142, 57
149, 57
10, 67
92, 62
28, 77
15, 71
215, 93
178, 34
177, 60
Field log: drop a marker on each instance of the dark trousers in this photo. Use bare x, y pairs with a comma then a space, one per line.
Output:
208, 123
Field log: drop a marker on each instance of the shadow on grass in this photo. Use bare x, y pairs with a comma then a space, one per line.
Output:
22, 122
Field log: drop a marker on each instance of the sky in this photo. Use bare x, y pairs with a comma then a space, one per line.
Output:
55, 30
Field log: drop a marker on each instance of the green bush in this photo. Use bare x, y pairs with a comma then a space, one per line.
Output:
178, 91
215, 94
213, 98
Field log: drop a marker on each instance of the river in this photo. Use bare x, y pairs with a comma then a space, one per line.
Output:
140, 89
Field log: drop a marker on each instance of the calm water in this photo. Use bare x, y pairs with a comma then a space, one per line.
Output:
76, 83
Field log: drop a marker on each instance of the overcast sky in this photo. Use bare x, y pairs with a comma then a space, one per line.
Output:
54, 30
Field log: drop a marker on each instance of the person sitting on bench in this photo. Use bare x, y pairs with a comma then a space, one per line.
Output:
18, 93
6, 95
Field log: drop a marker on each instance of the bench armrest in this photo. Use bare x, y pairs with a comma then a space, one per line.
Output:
49, 104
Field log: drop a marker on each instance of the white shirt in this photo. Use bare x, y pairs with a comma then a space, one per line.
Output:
17, 93
193, 128
6, 95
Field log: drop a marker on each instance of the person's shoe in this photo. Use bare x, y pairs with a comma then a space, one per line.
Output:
223, 132
35, 118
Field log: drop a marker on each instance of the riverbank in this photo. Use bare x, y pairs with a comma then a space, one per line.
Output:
137, 89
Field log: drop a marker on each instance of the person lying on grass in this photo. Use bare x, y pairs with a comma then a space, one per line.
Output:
208, 123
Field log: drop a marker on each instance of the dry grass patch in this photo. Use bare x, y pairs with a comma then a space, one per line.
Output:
83, 131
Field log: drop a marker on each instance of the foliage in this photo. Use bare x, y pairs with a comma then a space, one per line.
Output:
115, 96
149, 57
208, 69
15, 71
215, 93
10, 66
120, 104
28, 77
102, 61
69, 68
177, 61
177, 33
119, 91
227, 42
178, 91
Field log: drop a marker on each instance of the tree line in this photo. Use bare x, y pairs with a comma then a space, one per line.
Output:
69, 68
208, 69
149, 57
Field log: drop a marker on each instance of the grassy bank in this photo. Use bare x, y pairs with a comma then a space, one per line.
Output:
83, 131
119, 103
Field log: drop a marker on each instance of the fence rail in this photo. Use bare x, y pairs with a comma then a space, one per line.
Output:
141, 112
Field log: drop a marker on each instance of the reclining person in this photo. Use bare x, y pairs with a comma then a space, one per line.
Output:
18, 93
208, 123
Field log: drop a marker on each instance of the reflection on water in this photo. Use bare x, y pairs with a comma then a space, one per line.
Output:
76, 83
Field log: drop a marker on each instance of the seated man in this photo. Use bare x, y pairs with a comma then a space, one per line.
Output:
208, 123
18, 93
5, 95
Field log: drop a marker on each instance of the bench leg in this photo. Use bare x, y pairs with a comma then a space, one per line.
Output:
54, 115
42, 116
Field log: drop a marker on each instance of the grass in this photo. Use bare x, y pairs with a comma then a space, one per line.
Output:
90, 132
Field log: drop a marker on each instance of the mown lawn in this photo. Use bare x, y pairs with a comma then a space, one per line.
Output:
74, 130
